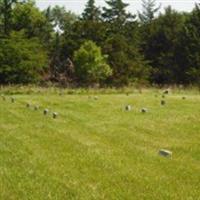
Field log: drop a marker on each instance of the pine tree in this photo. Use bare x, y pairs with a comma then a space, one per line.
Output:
91, 26
116, 12
161, 46
91, 12
146, 17
6, 14
189, 48
149, 11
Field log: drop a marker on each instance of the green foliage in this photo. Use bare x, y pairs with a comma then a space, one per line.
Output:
162, 49
91, 12
63, 43
161, 46
116, 11
149, 11
27, 17
62, 19
121, 45
127, 64
190, 47
90, 64
116, 15
6, 15
21, 60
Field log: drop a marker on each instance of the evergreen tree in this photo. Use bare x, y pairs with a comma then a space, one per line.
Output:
91, 12
91, 26
21, 60
55, 63
121, 44
29, 18
161, 47
189, 48
146, 17
126, 61
116, 13
6, 14
149, 11
63, 19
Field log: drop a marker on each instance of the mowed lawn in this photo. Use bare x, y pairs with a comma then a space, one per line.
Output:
97, 150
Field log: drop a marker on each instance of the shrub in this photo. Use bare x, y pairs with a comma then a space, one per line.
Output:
90, 64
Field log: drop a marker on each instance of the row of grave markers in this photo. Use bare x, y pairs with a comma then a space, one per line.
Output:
36, 107
127, 107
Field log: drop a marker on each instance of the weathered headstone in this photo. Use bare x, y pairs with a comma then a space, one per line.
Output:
163, 102
165, 153
36, 107
55, 115
96, 98
46, 111
166, 92
60, 93
12, 99
128, 108
144, 110
3, 97
28, 105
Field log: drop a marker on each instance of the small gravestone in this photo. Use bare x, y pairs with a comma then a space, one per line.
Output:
46, 111
12, 99
60, 93
144, 110
28, 105
36, 107
128, 108
3, 97
166, 92
165, 153
55, 115
140, 91
96, 98
163, 102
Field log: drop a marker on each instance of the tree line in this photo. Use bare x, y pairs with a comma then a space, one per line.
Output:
106, 46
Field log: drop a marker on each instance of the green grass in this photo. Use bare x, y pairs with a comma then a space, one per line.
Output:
96, 150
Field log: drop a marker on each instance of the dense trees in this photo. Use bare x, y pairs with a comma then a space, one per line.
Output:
161, 46
121, 44
189, 48
57, 45
21, 60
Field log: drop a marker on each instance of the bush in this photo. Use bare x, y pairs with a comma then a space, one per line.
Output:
90, 64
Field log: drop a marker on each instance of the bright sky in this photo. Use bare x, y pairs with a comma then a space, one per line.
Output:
77, 6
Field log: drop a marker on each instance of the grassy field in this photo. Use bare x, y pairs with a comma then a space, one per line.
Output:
97, 150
